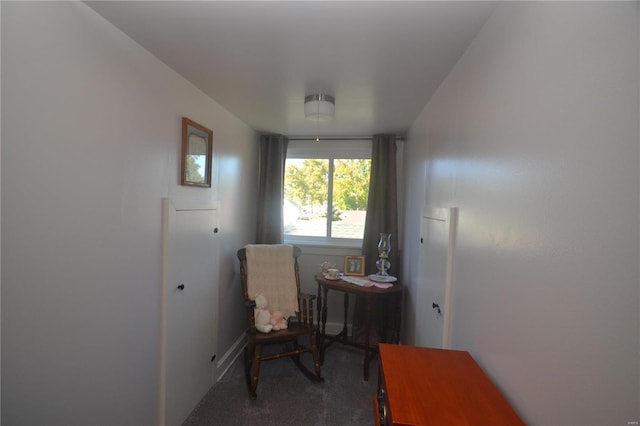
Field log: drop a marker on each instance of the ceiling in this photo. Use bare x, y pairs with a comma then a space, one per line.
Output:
382, 60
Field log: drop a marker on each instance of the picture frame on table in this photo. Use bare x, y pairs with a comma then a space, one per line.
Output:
354, 265
196, 154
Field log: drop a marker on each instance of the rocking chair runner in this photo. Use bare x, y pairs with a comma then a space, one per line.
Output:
299, 325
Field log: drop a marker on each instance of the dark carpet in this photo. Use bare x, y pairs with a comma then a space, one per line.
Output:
287, 397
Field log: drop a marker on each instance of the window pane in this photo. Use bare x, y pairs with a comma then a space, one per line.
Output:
350, 194
306, 190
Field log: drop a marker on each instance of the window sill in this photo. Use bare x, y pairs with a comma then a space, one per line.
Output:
323, 242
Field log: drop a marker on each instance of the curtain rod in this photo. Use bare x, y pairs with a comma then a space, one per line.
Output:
335, 138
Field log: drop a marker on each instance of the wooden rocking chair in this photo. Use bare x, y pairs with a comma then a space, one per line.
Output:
299, 325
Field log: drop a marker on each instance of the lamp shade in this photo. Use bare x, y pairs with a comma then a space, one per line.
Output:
319, 107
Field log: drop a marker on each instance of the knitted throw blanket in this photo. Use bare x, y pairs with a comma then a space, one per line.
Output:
270, 272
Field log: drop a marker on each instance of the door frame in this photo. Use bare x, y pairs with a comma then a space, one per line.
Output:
448, 215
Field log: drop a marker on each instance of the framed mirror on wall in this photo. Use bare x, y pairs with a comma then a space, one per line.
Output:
197, 150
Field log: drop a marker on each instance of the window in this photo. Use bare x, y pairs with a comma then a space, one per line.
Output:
326, 187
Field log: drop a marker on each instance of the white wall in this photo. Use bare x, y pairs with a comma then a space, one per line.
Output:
91, 140
534, 136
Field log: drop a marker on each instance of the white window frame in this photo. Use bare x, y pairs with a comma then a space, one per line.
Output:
327, 149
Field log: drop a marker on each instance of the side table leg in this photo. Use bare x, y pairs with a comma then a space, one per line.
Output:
398, 318
319, 305
386, 316
345, 330
367, 332
324, 323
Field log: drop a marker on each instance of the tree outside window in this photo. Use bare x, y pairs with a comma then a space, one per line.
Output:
310, 210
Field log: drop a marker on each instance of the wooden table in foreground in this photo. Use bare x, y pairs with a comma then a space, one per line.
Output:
440, 387
392, 298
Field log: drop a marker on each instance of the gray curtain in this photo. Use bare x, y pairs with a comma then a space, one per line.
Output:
382, 217
382, 207
273, 154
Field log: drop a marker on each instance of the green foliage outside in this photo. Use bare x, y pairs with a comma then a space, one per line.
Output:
351, 184
306, 183
193, 170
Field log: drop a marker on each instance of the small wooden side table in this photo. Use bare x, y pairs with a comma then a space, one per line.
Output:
439, 387
392, 298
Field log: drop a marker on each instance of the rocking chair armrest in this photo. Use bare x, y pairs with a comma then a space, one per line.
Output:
307, 296
306, 299
306, 308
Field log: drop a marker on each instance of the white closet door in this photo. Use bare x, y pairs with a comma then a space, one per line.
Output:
437, 244
190, 314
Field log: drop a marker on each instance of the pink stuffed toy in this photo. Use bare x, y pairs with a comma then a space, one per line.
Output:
265, 319
278, 321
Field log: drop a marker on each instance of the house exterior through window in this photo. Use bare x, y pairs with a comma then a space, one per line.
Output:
326, 189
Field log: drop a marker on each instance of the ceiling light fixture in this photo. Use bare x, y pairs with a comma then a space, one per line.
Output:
319, 107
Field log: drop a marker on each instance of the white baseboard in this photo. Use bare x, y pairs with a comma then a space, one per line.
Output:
231, 355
